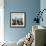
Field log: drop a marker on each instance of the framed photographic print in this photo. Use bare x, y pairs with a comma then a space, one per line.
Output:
17, 19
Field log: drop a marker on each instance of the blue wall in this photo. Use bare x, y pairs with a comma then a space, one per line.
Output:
43, 6
28, 6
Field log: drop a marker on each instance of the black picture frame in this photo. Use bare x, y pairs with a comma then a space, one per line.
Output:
17, 19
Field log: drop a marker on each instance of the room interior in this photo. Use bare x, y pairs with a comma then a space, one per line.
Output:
32, 33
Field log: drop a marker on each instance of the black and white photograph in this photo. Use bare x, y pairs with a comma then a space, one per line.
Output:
17, 19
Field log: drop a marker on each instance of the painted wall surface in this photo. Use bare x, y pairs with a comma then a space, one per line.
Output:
28, 6
43, 6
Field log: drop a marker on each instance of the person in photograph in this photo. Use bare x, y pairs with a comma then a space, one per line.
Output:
13, 22
20, 21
